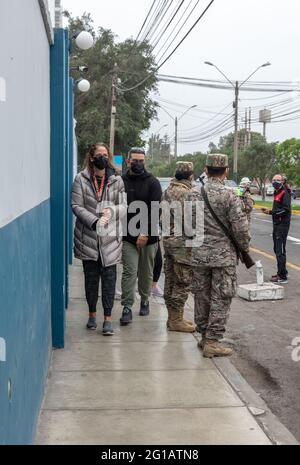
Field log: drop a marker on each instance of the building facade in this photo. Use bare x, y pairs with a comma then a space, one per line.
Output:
30, 311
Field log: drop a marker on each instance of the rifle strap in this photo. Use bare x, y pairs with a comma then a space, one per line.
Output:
217, 219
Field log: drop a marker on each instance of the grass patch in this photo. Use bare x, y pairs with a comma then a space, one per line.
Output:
268, 204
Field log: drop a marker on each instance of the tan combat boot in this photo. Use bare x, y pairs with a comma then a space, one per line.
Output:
177, 323
215, 349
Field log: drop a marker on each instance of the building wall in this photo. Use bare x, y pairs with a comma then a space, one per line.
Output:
25, 267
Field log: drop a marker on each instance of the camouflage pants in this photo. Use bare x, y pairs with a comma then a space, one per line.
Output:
213, 291
178, 280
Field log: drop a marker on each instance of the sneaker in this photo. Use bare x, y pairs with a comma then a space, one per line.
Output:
144, 309
279, 280
91, 324
107, 328
126, 317
157, 292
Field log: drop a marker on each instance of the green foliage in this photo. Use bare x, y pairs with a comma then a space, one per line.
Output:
288, 160
135, 109
258, 161
164, 169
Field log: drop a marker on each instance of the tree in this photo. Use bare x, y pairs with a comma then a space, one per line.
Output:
258, 161
288, 160
159, 149
135, 109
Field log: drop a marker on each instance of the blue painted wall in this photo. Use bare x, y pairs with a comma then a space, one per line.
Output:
25, 321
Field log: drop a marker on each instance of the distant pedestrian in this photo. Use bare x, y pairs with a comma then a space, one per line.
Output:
216, 259
281, 215
139, 245
99, 203
177, 266
246, 198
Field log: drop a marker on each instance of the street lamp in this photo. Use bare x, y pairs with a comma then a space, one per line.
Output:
176, 119
236, 87
84, 40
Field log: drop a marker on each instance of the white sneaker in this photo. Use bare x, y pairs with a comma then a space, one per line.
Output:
157, 291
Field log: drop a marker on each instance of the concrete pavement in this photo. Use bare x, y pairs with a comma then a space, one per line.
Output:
144, 385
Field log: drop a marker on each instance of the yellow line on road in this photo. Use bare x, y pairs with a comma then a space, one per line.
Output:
271, 257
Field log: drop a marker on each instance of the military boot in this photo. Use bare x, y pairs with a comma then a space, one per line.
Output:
215, 349
180, 313
177, 323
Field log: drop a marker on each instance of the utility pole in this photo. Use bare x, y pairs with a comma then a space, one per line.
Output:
113, 109
176, 137
246, 129
235, 148
249, 139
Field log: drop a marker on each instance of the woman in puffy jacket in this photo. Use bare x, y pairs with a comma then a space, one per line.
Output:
99, 204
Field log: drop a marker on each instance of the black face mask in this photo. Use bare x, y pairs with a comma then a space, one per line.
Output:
100, 162
277, 185
137, 167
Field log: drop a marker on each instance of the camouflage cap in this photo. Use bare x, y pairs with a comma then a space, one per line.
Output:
217, 160
184, 166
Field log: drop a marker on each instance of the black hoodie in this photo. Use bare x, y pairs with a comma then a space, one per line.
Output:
146, 188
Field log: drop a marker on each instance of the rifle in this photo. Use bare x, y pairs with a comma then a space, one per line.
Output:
243, 256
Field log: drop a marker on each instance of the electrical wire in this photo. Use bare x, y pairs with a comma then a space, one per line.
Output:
145, 21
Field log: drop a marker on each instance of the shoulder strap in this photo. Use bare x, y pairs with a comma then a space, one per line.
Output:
217, 219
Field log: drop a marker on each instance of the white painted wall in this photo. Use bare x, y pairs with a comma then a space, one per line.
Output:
51, 5
25, 112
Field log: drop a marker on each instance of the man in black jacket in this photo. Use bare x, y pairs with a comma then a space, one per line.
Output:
281, 214
141, 240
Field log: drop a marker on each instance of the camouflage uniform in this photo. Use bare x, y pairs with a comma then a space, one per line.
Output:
177, 264
216, 259
247, 203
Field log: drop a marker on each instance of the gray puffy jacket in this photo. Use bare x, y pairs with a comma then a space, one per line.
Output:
85, 206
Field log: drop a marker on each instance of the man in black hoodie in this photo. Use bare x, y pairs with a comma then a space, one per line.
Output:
139, 243
281, 214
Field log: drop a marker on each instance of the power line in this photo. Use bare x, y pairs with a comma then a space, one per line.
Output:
174, 38
163, 14
174, 14
145, 21
169, 56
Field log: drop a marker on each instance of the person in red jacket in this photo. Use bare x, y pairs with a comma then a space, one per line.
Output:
281, 215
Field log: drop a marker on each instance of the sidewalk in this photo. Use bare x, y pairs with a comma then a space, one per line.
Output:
143, 386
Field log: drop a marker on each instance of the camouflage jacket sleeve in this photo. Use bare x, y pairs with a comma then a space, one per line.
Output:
238, 222
248, 202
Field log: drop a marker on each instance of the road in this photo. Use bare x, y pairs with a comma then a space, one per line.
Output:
263, 331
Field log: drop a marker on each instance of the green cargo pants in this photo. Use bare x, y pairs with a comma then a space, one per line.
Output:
137, 264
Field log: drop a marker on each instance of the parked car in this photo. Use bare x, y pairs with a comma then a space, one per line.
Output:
255, 190
269, 189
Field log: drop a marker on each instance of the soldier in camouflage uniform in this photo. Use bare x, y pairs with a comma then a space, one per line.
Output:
216, 259
177, 267
247, 201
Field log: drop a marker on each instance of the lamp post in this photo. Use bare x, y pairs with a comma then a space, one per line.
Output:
176, 119
236, 87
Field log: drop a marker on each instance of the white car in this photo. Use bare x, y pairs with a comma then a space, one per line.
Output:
269, 189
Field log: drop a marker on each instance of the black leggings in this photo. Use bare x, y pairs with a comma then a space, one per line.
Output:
158, 263
92, 273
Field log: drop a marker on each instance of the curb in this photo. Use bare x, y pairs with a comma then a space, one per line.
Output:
294, 212
270, 424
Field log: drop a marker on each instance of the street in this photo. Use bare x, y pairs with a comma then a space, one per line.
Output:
263, 331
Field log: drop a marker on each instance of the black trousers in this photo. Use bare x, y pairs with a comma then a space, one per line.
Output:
280, 234
93, 271
158, 263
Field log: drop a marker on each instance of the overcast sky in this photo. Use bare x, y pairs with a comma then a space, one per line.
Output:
238, 36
